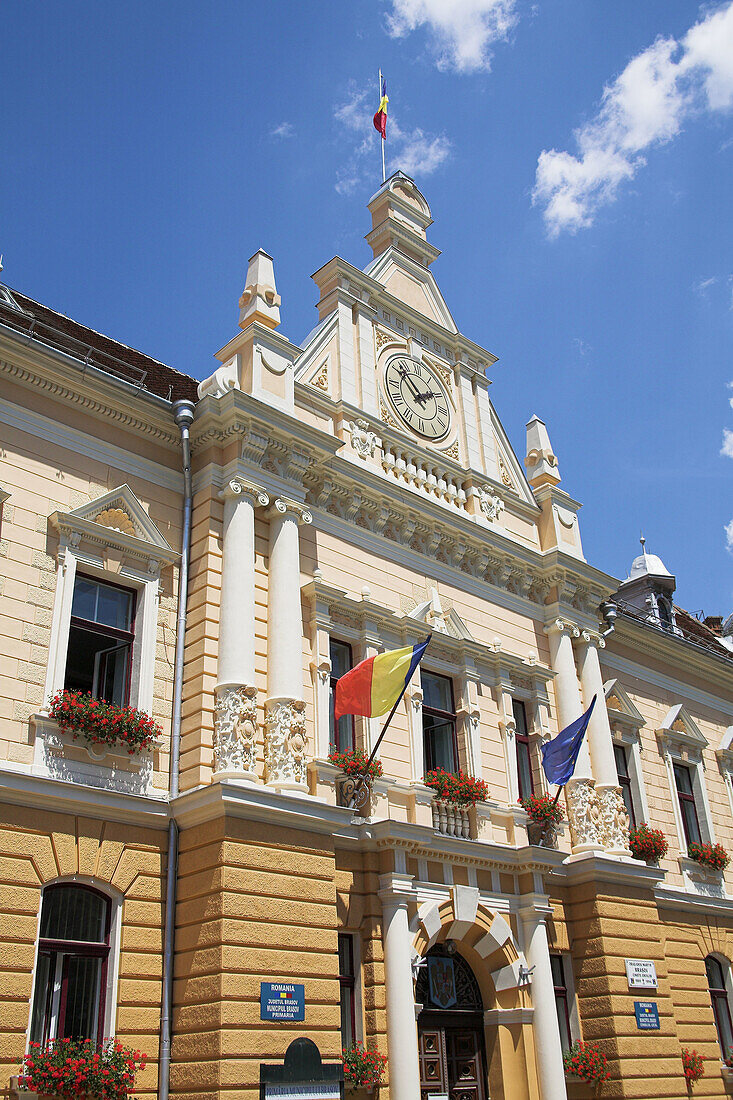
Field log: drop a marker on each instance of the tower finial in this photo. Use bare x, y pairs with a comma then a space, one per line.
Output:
642, 540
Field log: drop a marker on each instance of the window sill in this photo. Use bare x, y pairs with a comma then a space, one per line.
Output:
111, 767
700, 879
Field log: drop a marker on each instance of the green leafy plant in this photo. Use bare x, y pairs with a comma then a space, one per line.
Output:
647, 843
102, 723
692, 1064
542, 809
460, 789
362, 1068
586, 1061
354, 762
709, 855
74, 1068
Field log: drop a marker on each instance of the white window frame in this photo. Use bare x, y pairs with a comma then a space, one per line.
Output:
626, 725
115, 936
73, 560
685, 746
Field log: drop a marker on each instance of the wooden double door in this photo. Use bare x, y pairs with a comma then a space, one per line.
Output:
452, 1057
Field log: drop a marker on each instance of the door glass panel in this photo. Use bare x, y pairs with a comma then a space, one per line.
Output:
81, 1004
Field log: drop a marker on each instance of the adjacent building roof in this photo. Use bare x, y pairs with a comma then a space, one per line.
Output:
25, 315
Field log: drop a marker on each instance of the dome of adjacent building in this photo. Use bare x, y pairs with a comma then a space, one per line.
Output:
648, 565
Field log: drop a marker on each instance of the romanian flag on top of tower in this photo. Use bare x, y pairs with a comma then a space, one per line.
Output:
380, 118
375, 685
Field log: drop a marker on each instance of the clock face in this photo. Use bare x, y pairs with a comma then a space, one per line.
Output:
418, 397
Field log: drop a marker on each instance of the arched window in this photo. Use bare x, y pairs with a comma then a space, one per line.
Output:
71, 971
719, 1000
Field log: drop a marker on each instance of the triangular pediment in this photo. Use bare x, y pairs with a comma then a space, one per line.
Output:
412, 284
116, 519
509, 470
620, 706
317, 365
439, 616
121, 511
680, 728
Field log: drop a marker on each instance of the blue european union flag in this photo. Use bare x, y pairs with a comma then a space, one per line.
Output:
560, 755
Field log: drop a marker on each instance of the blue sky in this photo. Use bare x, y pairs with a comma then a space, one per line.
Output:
577, 158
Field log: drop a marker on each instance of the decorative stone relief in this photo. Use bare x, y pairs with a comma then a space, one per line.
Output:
238, 487
320, 379
613, 818
363, 440
235, 729
386, 415
491, 505
505, 475
453, 451
285, 742
384, 338
583, 812
118, 519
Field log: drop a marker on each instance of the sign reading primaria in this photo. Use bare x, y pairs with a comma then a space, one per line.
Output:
641, 974
282, 1001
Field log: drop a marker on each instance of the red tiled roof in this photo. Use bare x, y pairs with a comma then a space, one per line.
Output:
100, 351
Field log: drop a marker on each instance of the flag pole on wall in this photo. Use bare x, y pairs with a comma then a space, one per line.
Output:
380, 120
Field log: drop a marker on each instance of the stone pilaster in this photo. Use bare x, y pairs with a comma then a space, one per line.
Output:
548, 1046
582, 806
404, 1068
235, 719
612, 814
285, 737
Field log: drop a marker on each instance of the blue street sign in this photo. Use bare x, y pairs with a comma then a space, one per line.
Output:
282, 1001
647, 1015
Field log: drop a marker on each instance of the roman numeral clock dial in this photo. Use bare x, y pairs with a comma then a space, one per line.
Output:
418, 397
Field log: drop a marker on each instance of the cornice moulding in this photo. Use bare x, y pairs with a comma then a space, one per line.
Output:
667, 897
69, 526
108, 399
595, 868
62, 796
672, 649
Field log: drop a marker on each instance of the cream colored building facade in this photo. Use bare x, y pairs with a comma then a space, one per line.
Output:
348, 495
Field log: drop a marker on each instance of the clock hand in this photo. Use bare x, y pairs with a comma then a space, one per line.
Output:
418, 396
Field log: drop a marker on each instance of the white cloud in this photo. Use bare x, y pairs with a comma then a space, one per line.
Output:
413, 151
705, 284
462, 31
645, 106
284, 130
727, 448
729, 534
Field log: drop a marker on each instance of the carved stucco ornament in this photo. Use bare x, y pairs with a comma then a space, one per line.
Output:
285, 742
583, 813
491, 505
613, 818
363, 440
235, 729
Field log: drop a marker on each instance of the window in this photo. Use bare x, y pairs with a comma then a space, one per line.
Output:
719, 1001
561, 1000
439, 723
686, 799
341, 734
624, 780
71, 971
101, 635
525, 782
347, 989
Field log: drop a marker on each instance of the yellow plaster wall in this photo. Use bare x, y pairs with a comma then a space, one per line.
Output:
43, 477
38, 849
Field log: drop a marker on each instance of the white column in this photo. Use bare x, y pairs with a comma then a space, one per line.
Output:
285, 739
579, 793
613, 814
235, 722
548, 1047
404, 1066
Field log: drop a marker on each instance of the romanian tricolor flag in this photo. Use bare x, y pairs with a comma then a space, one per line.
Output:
375, 685
380, 119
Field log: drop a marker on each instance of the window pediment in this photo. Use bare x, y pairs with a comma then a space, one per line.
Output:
623, 714
115, 521
680, 732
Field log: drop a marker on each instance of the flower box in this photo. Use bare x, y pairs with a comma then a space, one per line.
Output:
544, 815
585, 1061
100, 723
713, 856
647, 844
456, 790
363, 1068
73, 1068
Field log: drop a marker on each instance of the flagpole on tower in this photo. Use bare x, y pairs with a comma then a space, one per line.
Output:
384, 135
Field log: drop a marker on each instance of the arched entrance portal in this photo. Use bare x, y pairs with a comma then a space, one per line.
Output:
450, 1027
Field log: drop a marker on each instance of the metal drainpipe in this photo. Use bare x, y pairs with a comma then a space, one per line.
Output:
183, 412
